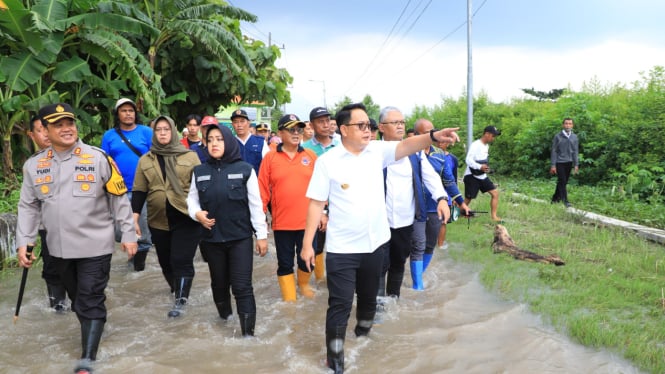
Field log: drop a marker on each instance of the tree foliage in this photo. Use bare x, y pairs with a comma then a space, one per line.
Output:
174, 56
620, 130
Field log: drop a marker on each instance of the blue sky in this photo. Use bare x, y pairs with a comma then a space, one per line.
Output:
348, 47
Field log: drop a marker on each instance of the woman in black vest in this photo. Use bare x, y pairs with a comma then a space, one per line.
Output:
224, 197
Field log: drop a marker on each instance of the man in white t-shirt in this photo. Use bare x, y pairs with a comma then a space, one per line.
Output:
350, 179
477, 167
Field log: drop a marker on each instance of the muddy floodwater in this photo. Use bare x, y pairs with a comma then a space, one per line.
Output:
454, 326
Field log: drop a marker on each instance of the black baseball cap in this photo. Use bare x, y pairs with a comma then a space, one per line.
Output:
239, 113
53, 113
288, 121
318, 112
492, 130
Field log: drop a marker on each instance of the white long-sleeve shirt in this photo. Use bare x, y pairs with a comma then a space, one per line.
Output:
478, 151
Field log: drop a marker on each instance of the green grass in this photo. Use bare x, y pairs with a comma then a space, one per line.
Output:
606, 200
607, 295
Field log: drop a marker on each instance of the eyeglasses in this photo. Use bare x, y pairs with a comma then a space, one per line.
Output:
395, 123
295, 130
362, 126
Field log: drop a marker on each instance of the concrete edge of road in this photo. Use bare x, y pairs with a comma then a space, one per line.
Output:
649, 233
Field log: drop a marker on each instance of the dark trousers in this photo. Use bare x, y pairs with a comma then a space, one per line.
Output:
49, 272
176, 249
85, 280
230, 266
349, 273
563, 170
395, 257
319, 241
288, 243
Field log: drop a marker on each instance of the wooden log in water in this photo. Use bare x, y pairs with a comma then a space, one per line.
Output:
504, 243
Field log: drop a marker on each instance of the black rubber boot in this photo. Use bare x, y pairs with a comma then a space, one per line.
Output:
247, 322
182, 287
364, 323
382, 285
56, 297
394, 283
224, 309
139, 260
91, 334
335, 349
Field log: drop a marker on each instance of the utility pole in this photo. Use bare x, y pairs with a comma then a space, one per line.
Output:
469, 77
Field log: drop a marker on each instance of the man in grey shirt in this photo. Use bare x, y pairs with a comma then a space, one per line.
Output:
565, 155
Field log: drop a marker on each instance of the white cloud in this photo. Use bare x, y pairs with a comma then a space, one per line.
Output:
501, 71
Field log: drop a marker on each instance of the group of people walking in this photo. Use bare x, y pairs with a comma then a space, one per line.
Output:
146, 186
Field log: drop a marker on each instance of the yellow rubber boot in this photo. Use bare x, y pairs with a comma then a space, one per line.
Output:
303, 284
287, 283
319, 267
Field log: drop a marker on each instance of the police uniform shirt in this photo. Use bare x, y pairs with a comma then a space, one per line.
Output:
66, 193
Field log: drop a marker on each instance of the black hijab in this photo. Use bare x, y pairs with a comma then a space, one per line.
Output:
231, 147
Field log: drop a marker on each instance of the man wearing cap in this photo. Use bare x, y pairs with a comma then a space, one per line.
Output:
350, 179
252, 147
407, 182
283, 179
477, 166
320, 143
76, 192
373, 128
126, 142
263, 131
200, 148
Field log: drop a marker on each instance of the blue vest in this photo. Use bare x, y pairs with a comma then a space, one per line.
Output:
418, 187
251, 151
223, 193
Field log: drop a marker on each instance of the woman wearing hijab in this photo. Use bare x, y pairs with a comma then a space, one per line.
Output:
224, 197
162, 178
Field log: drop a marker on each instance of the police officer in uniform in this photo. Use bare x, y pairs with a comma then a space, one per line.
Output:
75, 191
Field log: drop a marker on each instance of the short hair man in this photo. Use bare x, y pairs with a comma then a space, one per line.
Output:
283, 179
54, 286
76, 193
309, 132
407, 207
126, 143
263, 131
252, 147
322, 141
477, 167
349, 177
410, 133
565, 155
193, 125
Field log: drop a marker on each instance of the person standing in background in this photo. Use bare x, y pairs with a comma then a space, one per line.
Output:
322, 141
565, 156
477, 167
126, 143
193, 125
252, 147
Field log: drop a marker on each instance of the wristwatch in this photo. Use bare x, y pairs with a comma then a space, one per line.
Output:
431, 136
442, 198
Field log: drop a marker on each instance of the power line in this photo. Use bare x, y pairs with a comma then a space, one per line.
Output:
380, 48
442, 39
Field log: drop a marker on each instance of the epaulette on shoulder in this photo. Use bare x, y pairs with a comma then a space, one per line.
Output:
38, 153
97, 149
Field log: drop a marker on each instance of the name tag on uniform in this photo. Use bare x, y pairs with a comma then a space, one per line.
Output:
235, 176
202, 178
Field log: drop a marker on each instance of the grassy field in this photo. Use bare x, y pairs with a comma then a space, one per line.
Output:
610, 292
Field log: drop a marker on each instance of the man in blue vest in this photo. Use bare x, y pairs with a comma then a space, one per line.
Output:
252, 147
405, 182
